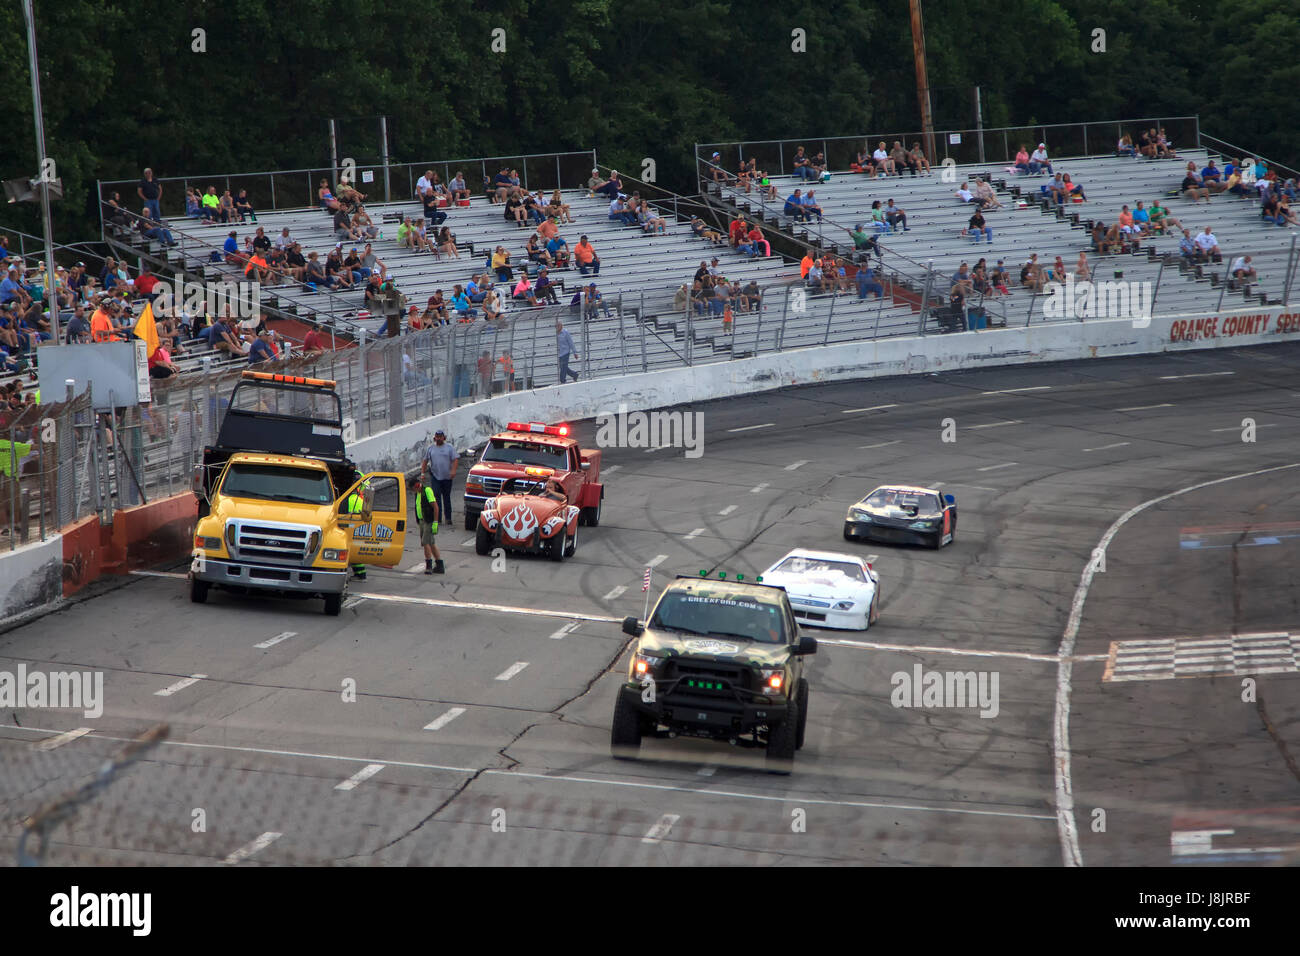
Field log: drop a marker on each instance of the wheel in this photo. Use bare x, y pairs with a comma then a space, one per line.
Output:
803, 713
483, 541
470, 521
873, 615
848, 535
935, 541
572, 546
554, 546
625, 731
592, 515
781, 741
198, 591
333, 604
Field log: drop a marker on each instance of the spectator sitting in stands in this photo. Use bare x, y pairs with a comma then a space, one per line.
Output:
535, 252
558, 208
794, 207
964, 194
1161, 221
432, 214
814, 278
1125, 146
447, 243
342, 225
155, 230
802, 165
1212, 177
1235, 184
424, 185
1039, 158
295, 265
894, 215
811, 206
701, 231
193, 204
458, 188
515, 210
585, 253
244, 206
544, 288
592, 303
492, 306
261, 350
919, 160
1243, 271
818, 166
884, 165
1208, 246
1164, 148
1142, 219
698, 297
618, 211
999, 280
501, 264
612, 187
737, 230
558, 249
461, 305
316, 274
77, 331
228, 211
1285, 213
476, 290
980, 277
902, 158
650, 221
862, 241
863, 163
211, 205
327, 200
976, 225
1192, 188
985, 194
1022, 162
962, 284
1032, 275
352, 262
1057, 272
1126, 223
867, 283
758, 243
1188, 248
257, 269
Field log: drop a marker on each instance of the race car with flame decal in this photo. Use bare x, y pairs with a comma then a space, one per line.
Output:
531, 513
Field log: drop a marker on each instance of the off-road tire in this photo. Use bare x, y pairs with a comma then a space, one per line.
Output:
333, 604
803, 713
625, 731
782, 741
483, 541
199, 591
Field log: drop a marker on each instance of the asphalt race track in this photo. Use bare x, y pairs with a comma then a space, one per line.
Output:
479, 735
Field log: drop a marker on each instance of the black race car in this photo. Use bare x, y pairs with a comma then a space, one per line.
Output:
903, 514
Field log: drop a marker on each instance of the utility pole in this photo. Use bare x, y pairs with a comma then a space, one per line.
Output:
43, 177
922, 80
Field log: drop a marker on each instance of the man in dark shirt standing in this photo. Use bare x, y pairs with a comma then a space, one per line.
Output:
150, 190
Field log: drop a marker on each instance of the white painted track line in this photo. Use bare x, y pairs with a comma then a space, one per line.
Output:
615, 592
611, 469
707, 771
566, 629
179, 685
995, 424
415, 568
283, 636
1196, 375
1237, 428
873, 408
440, 722
500, 608
1014, 391
695, 534
365, 773
512, 670
750, 428
467, 543
67, 737
793, 466
1005, 464
1118, 444
660, 829
1143, 408
727, 510
657, 560
883, 444
256, 846
758, 488
352, 602
1066, 827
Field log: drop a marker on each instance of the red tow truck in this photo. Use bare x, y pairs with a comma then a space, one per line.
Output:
524, 445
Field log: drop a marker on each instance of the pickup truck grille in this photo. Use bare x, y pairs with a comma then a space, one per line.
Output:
707, 677
277, 543
492, 486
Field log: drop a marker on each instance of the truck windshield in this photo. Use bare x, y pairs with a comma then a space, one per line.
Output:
526, 453
719, 616
278, 483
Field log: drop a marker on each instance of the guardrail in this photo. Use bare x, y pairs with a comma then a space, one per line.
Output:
296, 188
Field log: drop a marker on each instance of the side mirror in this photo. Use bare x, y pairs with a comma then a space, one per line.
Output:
586, 466
632, 626
197, 483
807, 645
949, 499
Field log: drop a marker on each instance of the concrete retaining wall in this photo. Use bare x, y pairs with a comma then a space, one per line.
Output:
399, 449
31, 577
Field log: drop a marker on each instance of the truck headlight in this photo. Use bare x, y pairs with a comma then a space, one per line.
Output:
333, 554
230, 535
773, 680
844, 606
643, 665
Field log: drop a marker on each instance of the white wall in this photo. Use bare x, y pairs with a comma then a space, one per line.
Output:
400, 448
31, 577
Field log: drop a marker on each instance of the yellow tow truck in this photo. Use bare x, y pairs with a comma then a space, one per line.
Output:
282, 509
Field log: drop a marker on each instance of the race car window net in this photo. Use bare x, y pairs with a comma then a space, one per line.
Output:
278, 483
717, 616
525, 453
798, 565
904, 501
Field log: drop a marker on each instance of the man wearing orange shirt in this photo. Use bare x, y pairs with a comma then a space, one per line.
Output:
547, 229
101, 325
805, 264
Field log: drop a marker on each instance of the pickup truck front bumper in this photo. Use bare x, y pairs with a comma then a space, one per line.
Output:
222, 572
704, 717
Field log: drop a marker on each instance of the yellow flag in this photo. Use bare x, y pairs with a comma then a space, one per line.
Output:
146, 329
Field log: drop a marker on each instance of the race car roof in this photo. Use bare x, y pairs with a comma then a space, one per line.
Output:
911, 489
819, 556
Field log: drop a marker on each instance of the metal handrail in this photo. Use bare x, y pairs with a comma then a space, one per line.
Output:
1239, 152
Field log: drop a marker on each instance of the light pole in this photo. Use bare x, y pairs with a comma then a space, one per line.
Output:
43, 178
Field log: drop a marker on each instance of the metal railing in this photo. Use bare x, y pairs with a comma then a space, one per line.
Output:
973, 145
1226, 149
297, 188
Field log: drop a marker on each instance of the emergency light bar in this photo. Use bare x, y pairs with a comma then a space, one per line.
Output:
722, 576
289, 379
537, 471
540, 428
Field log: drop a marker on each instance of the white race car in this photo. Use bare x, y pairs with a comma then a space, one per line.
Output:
828, 589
